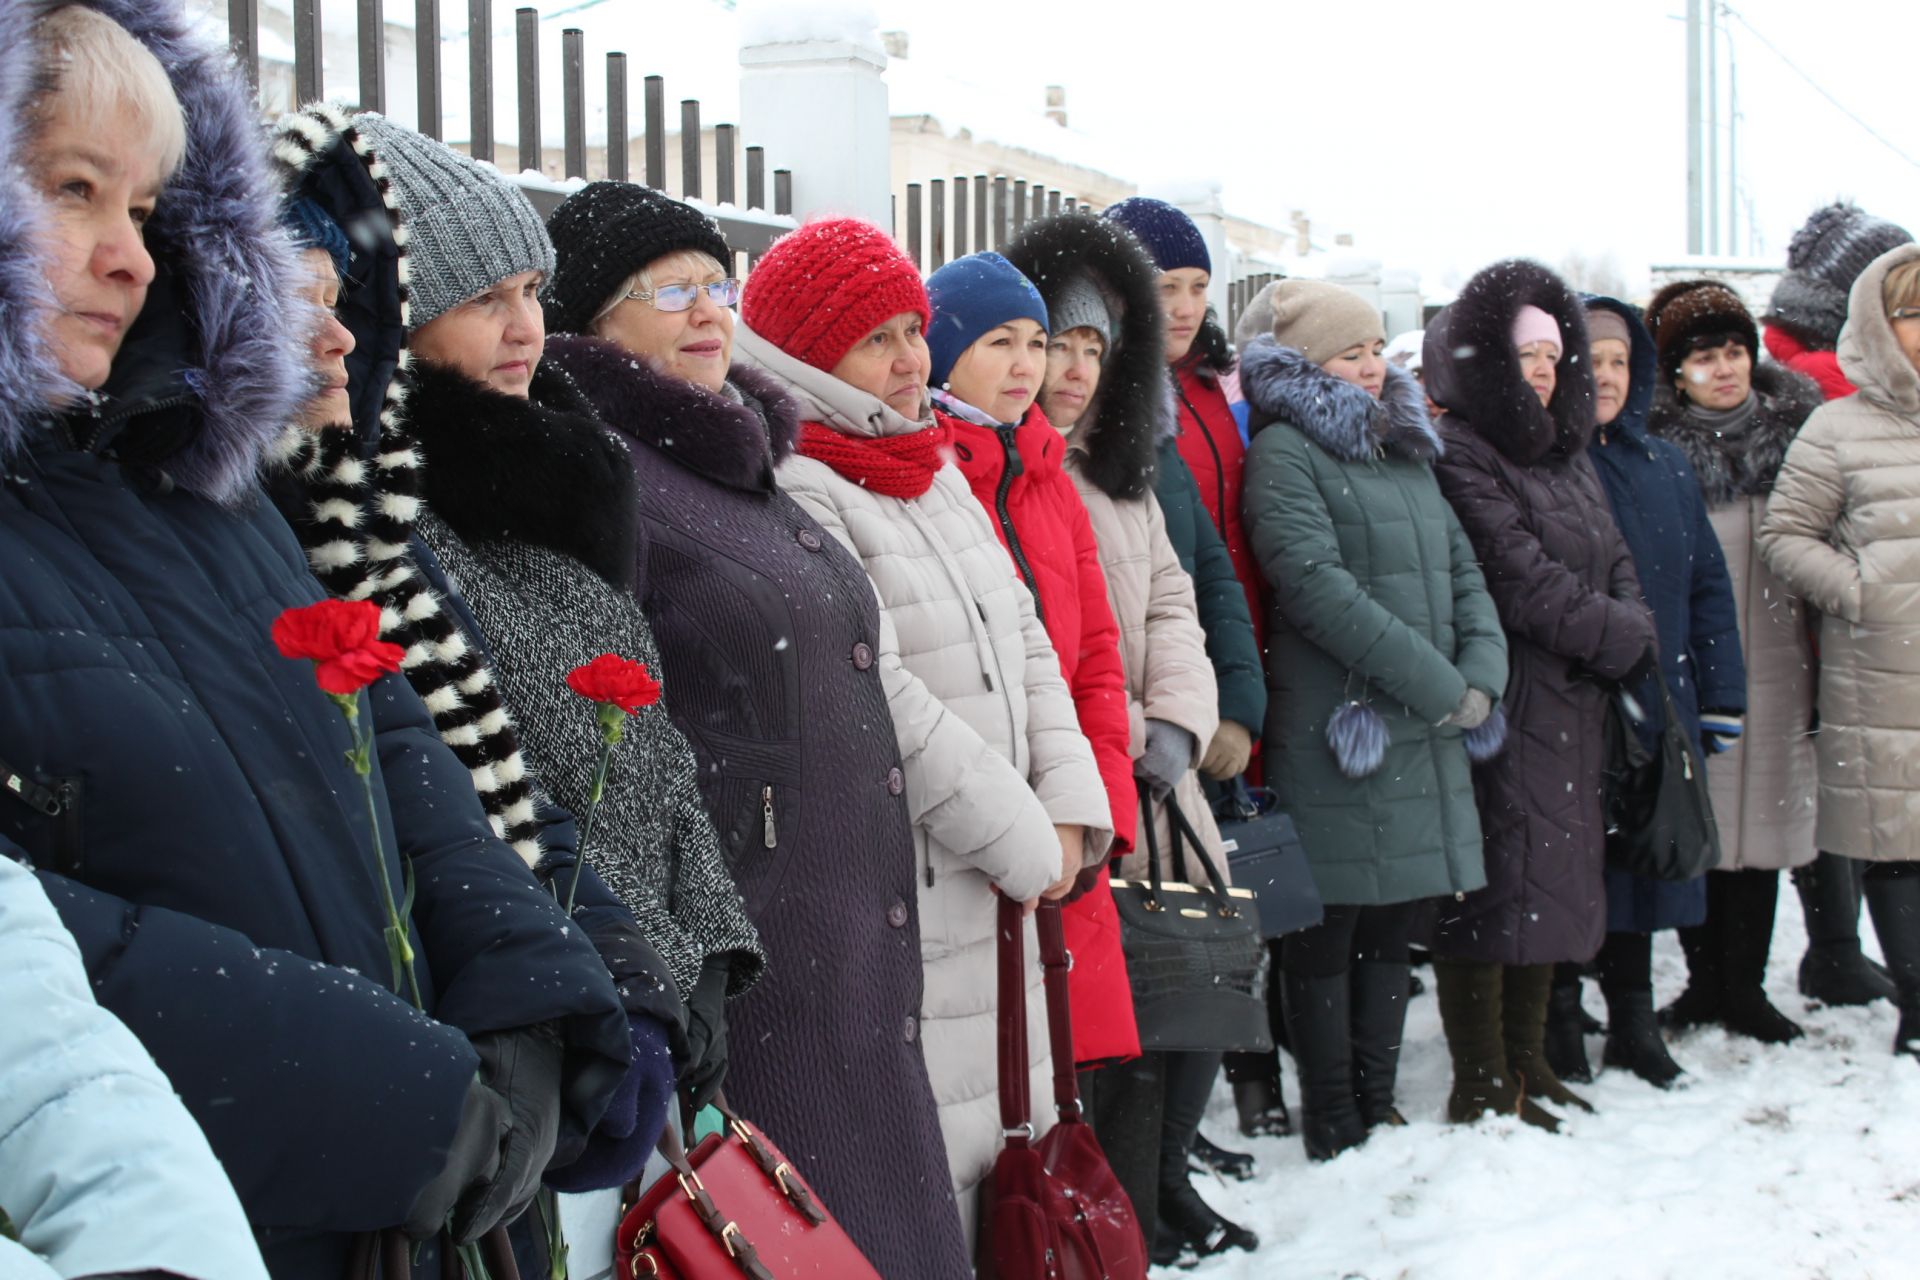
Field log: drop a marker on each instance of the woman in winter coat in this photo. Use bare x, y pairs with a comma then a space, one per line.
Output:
1507, 362
773, 664
1802, 327
1106, 393
1002, 786
183, 790
1734, 417
1838, 530
1656, 501
102, 1171
1385, 670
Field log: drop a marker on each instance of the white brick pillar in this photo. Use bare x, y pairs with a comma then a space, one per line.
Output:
819, 107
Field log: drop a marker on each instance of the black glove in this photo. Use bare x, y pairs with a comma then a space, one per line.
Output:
1640, 670
473, 1157
522, 1066
706, 1057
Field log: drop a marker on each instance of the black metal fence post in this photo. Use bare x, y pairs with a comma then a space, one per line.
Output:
373, 56
656, 124
725, 143
690, 147
959, 216
480, 77
526, 23
937, 221
573, 102
617, 116
426, 63
913, 226
309, 80
756, 177
243, 37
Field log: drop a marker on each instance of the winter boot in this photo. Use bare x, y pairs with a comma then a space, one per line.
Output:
1379, 1017
1566, 1027
1470, 997
1123, 1102
1750, 899
1261, 1108
1700, 1004
1634, 1041
1893, 895
1523, 1022
1189, 1082
1834, 971
1205, 1157
1320, 1027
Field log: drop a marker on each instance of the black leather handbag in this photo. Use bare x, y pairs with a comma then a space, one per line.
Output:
1196, 956
1265, 855
1660, 820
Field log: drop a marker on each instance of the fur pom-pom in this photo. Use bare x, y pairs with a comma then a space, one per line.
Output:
1488, 739
1358, 735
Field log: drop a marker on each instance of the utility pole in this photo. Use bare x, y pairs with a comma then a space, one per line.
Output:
1695, 222
1733, 150
1713, 127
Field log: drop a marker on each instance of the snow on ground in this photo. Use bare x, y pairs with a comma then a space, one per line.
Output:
1794, 1161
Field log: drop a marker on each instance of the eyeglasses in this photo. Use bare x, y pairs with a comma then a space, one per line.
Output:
678, 297
1905, 313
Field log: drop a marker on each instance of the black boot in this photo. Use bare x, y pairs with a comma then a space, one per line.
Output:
1189, 1078
1470, 996
1893, 895
1834, 971
1634, 1041
1123, 1103
1319, 1024
1261, 1108
1378, 1000
1700, 1004
1566, 1027
1750, 899
1205, 1157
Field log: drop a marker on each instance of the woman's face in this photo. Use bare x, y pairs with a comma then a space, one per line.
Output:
1001, 373
328, 348
1906, 332
1073, 375
892, 363
1183, 303
1537, 366
100, 186
494, 338
1719, 377
695, 344
1363, 366
1612, 377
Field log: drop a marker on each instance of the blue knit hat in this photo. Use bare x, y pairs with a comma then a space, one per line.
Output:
971, 296
313, 228
1169, 234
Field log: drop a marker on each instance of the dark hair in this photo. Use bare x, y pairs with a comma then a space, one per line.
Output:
1713, 342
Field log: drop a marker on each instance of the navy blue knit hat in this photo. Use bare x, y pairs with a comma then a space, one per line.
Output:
1169, 234
971, 296
312, 228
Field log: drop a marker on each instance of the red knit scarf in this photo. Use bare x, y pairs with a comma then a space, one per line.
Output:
898, 466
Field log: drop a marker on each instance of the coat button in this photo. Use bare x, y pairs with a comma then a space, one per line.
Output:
897, 914
862, 656
896, 782
808, 539
910, 1029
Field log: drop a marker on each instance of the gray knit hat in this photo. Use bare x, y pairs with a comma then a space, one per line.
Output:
1082, 304
468, 228
1826, 256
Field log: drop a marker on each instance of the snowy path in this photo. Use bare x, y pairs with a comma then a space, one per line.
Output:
1802, 1161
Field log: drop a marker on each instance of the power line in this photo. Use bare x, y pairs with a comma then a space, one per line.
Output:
1816, 86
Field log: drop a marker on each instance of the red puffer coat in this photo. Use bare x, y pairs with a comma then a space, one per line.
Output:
1016, 474
1210, 445
1822, 366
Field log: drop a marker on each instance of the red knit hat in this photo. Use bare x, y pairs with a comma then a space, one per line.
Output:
822, 288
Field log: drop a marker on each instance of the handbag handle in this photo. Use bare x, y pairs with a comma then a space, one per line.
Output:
728, 1233
1179, 829
1055, 964
1016, 1108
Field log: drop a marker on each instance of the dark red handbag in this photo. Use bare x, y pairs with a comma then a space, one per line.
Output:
1052, 1209
733, 1207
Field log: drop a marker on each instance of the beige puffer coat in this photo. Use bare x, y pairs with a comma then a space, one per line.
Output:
1843, 529
1162, 648
993, 753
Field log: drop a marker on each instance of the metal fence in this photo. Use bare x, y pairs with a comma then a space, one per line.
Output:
950, 219
748, 234
1242, 291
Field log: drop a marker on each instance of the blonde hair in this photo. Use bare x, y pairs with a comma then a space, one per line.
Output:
90, 61
1901, 288
641, 281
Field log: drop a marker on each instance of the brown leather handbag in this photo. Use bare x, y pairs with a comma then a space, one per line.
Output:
1052, 1209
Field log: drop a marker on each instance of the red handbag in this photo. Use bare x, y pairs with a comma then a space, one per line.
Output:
1052, 1210
733, 1207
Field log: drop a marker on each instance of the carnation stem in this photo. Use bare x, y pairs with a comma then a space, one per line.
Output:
474, 1262
586, 823
399, 947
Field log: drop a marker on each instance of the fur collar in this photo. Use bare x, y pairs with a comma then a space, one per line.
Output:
1117, 438
1473, 372
1281, 385
214, 232
541, 470
734, 442
1729, 469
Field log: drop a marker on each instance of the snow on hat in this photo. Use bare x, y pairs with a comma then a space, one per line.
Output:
1170, 235
1320, 320
606, 232
822, 288
1531, 325
1690, 309
1825, 257
972, 296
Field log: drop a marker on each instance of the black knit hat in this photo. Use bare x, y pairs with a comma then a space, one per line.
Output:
1689, 309
1827, 254
604, 233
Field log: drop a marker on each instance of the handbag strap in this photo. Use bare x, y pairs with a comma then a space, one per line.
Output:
1055, 964
1154, 889
728, 1233
1016, 1108
778, 1171
1183, 829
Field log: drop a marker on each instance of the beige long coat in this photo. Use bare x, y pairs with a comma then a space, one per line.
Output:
1843, 529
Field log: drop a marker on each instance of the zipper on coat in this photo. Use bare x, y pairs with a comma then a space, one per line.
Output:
768, 835
1013, 469
1219, 468
59, 801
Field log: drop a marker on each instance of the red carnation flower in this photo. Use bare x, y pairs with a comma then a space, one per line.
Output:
612, 680
342, 639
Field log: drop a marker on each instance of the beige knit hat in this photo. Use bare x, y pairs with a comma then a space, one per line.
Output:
1321, 320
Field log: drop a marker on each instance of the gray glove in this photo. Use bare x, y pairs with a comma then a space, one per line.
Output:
1167, 758
1473, 710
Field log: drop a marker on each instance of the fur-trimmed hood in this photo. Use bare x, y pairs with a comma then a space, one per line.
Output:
1473, 372
1747, 464
222, 323
1118, 435
1281, 385
733, 442
1642, 366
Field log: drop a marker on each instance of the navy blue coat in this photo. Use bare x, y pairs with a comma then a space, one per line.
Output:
1683, 578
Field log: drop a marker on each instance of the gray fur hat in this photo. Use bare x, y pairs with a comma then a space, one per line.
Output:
468, 227
1827, 254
